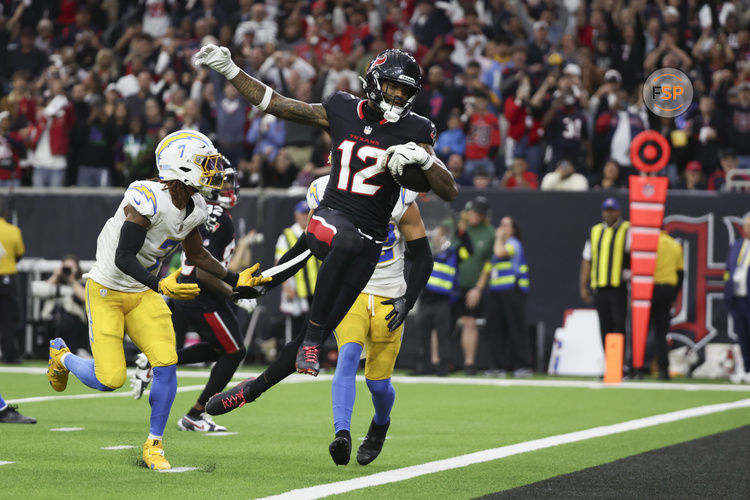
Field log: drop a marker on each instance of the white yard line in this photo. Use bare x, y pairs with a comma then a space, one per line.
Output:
94, 395
400, 379
405, 473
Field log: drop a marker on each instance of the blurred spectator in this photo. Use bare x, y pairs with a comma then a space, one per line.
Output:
483, 136
153, 116
517, 176
268, 134
439, 100
91, 146
231, 112
564, 178
51, 139
506, 277
692, 178
728, 162
11, 149
453, 140
137, 101
279, 172
19, 102
706, 130
455, 164
466, 46
11, 243
428, 22
611, 177
566, 129
474, 224
65, 311
25, 56
134, 156
524, 128
616, 128
738, 126
482, 179
261, 25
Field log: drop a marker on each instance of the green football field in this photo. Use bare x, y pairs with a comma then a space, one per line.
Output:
280, 443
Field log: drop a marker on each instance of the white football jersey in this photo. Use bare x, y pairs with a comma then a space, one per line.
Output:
168, 228
388, 278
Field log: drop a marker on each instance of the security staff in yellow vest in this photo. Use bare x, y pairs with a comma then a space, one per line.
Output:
11, 251
668, 276
606, 257
297, 291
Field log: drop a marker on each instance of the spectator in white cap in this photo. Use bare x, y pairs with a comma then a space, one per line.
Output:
539, 45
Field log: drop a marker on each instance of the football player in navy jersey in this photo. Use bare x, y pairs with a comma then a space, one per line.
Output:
371, 138
211, 314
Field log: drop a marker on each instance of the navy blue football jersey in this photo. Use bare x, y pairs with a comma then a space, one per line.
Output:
218, 238
358, 188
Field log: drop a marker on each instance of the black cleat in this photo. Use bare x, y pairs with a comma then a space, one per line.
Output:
226, 401
307, 358
341, 449
373, 443
10, 415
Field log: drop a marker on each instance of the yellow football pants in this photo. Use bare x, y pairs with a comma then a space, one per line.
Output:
143, 315
365, 325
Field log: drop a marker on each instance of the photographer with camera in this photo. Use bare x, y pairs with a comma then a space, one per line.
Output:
64, 310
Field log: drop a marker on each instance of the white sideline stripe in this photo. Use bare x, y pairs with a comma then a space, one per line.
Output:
67, 429
180, 469
478, 457
6, 463
405, 379
220, 433
119, 447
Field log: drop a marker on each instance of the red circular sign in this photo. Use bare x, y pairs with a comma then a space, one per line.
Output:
649, 151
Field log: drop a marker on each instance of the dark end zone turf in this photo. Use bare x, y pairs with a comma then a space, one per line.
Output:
716, 466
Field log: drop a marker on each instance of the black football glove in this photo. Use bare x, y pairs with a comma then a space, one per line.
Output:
248, 292
400, 310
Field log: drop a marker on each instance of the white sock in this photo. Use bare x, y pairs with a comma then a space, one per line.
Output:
152, 437
62, 358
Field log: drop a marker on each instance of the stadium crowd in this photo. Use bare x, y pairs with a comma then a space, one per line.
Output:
525, 94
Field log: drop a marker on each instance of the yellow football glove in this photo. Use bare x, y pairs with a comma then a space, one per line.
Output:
180, 291
247, 278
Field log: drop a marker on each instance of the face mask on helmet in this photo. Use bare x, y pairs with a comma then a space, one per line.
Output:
226, 195
191, 158
393, 68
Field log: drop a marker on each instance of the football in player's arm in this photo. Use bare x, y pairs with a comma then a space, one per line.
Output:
264, 98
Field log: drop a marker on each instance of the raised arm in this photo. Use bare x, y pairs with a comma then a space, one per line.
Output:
257, 93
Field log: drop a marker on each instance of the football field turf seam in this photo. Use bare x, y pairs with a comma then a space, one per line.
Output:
401, 379
478, 457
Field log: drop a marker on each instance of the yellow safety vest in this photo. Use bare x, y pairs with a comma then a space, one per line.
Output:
306, 277
607, 254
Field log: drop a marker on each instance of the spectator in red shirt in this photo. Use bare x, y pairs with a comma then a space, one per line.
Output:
482, 137
524, 130
517, 176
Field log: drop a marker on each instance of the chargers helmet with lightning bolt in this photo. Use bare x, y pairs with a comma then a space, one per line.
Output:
191, 158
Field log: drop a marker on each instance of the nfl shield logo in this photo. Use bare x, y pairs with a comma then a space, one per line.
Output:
103, 292
368, 129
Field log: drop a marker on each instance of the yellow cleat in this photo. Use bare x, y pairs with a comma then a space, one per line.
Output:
153, 455
57, 374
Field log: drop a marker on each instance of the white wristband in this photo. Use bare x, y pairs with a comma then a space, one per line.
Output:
266, 99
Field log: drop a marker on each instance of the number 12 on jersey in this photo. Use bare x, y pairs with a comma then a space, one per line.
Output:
359, 180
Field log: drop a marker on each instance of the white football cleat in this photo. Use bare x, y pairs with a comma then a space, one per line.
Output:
204, 423
739, 378
142, 376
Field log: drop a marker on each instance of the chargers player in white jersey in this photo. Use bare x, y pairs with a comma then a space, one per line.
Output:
374, 322
122, 289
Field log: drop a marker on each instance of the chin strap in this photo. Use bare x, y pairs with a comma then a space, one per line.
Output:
391, 112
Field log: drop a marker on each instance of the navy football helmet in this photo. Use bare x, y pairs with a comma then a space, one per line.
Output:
396, 66
227, 195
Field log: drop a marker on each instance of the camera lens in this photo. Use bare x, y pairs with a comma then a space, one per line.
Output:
66, 270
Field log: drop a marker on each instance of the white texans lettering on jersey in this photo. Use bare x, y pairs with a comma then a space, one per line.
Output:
388, 278
168, 228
